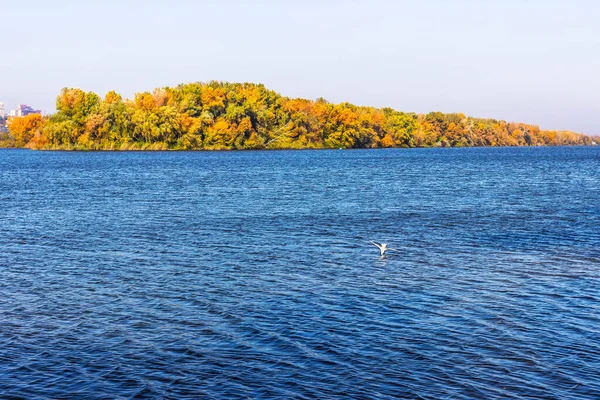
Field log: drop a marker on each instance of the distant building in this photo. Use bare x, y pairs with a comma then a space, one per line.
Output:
24, 110
2, 115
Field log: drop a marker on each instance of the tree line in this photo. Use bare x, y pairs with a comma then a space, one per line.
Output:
223, 116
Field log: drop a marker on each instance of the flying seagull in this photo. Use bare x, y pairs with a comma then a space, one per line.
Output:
383, 248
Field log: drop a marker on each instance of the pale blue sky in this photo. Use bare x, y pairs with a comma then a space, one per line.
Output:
534, 61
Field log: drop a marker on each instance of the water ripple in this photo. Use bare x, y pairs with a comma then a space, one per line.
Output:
249, 274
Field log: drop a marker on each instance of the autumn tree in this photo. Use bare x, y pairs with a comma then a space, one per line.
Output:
24, 128
222, 115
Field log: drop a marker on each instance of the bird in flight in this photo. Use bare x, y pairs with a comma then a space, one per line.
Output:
383, 248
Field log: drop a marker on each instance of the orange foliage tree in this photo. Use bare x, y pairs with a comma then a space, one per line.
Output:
221, 115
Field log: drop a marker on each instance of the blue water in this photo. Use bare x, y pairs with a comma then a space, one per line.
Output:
249, 274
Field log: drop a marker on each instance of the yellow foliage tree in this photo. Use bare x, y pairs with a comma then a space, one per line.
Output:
24, 128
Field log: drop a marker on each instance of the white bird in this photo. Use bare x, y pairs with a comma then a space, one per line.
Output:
383, 248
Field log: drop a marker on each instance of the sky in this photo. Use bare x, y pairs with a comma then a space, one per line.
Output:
519, 60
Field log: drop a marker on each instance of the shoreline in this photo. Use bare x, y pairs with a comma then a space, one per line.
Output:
287, 149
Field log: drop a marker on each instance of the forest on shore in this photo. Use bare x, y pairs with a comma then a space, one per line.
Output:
225, 116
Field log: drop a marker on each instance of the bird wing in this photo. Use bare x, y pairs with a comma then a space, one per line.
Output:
375, 244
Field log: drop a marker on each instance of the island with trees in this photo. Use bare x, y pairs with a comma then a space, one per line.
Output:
227, 116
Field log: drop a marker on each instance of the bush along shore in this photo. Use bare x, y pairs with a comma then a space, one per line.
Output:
226, 116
